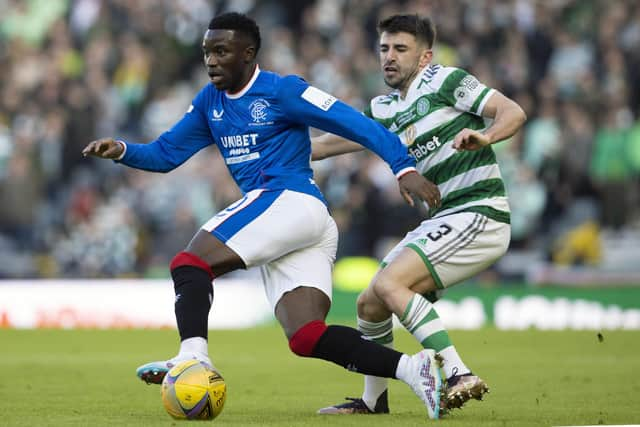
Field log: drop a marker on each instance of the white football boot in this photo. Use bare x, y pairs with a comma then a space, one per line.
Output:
425, 380
154, 372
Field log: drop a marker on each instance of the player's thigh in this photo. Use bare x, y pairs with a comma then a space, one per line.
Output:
406, 270
216, 254
308, 267
266, 224
453, 248
300, 306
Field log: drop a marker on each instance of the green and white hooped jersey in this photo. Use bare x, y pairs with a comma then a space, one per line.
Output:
440, 102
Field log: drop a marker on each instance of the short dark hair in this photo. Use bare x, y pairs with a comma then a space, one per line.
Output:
421, 27
237, 22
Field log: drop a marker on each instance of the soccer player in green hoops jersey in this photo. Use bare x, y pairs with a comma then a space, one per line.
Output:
449, 120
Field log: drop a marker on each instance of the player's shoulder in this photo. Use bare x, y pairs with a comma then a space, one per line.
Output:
450, 79
291, 80
385, 99
436, 75
274, 79
383, 106
275, 83
268, 78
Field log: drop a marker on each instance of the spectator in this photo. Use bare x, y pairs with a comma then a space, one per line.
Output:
75, 70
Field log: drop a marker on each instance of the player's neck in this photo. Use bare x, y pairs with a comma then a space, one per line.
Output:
404, 90
246, 81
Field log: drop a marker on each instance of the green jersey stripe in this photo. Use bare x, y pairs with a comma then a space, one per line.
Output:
410, 114
423, 147
435, 120
450, 84
469, 178
479, 99
499, 202
478, 191
458, 163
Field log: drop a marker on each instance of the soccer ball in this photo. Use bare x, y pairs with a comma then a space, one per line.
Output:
193, 390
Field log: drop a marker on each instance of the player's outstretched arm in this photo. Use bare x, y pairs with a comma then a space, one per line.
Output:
329, 145
105, 148
188, 136
508, 118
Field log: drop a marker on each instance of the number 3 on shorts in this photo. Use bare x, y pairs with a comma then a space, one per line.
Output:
444, 229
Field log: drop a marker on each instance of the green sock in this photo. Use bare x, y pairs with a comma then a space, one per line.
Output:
422, 321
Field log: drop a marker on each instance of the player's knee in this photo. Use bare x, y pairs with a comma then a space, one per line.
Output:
384, 287
189, 259
367, 304
362, 303
304, 340
370, 307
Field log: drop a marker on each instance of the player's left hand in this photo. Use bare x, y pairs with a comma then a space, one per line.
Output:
105, 148
470, 139
416, 184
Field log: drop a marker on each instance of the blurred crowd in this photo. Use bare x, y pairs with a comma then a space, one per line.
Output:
76, 70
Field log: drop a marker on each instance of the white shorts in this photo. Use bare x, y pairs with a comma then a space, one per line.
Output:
457, 246
290, 235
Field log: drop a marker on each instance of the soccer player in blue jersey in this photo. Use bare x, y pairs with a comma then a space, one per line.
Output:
259, 121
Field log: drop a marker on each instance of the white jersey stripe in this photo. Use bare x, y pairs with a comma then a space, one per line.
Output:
484, 101
469, 178
435, 119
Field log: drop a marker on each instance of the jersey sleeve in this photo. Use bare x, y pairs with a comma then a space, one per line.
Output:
307, 105
464, 91
188, 136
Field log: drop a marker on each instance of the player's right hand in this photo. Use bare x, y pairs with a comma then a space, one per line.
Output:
105, 148
412, 183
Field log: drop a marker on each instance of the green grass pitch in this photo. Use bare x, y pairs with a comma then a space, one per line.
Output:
86, 378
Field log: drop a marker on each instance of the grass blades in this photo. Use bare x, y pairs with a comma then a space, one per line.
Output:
537, 378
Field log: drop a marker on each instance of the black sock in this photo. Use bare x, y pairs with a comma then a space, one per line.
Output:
346, 347
194, 294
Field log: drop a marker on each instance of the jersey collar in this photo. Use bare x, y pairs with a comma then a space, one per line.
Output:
414, 84
246, 87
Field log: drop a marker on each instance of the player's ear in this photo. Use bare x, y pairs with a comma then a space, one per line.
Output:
425, 57
249, 54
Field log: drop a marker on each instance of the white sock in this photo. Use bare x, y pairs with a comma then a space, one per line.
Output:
402, 371
382, 333
195, 346
452, 364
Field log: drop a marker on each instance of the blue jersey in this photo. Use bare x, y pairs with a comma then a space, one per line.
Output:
263, 133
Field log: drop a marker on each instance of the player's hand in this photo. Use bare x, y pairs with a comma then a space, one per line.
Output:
416, 184
469, 139
105, 148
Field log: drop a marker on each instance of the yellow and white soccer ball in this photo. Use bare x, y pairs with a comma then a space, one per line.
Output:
193, 390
